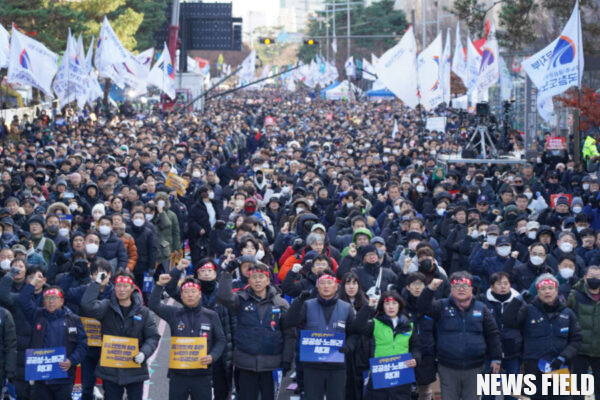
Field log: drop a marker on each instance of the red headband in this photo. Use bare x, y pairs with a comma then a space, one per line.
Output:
545, 282
190, 285
124, 279
53, 292
390, 298
461, 280
326, 277
258, 271
208, 266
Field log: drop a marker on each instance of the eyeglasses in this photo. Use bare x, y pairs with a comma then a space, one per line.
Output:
460, 286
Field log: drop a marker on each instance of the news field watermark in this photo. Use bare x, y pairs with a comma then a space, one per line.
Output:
530, 385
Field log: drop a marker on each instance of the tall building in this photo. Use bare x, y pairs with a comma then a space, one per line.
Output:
295, 14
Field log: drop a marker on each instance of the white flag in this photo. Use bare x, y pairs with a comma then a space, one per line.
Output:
536, 65
246, 74
489, 71
506, 81
109, 53
350, 67
135, 71
374, 60
459, 61
162, 74
368, 71
4, 47
565, 66
31, 63
334, 46
428, 66
94, 89
71, 82
473, 65
446, 70
397, 69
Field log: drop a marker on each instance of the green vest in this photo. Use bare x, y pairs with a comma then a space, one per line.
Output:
589, 148
386, 344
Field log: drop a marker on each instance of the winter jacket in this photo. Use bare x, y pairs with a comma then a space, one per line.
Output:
190, 322
138, 323
112, 250
548, 331
296, 258
524, 274
258, 346
588, 311
490, 266
367, 276
132, 253
294, 283
175, 240
8, 345
145, 241
165, 237
512, 340
465, 338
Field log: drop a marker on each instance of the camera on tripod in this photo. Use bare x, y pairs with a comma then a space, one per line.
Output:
482, 109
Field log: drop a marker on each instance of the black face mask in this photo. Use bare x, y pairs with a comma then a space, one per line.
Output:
372, 265
425, 266
208, 286
593, 283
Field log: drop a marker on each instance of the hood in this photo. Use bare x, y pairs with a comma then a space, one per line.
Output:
513, 294
300, 229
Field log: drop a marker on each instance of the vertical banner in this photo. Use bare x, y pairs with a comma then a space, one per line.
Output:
531, 145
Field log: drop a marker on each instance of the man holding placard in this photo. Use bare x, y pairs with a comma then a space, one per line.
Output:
58, 342
197, 340
325, 322
129, 335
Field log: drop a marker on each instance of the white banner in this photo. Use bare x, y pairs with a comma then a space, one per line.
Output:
428, 66
489, 71
437, 124
162, 74
473, 64
71, 82
459, 61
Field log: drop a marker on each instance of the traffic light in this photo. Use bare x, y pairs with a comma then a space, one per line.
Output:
267, 40
310, 42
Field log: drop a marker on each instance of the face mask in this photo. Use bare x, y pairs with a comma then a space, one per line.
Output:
415, 181
492, 239
52, 230
593, 283
585, 186
529, 195
104, 230
299, 210
161, 203
532, 235
73, 207
397, 209
349, 204
384, 159
521, 230
311, 203
421, 189
440, 211
475, 234
369, 189
377, 189
380, 253
91, 248
576, 209
149, 217
138, 222
566, 247
260, 254
503, 251
425, 266
285, 189
536, 260
196, 174
566, 272
5, 264
63, 232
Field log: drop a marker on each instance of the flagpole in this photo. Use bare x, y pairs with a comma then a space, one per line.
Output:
214, 86
578, 133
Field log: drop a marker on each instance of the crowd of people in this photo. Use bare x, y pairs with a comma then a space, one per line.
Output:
298, 214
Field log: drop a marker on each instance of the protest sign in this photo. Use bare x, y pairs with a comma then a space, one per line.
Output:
437, 124
176, 183
118, 352
42, 364
387, 372
556, 143
186, 352
93, 331
555, 197
321, 346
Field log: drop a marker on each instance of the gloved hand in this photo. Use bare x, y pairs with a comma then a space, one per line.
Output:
304, 295
100, 278
287, 367
232, 266
297, 268
14, 271
557, 363
298, 244
139, 358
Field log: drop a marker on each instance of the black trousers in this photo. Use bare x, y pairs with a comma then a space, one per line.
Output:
182, 387
321, 382
22, 389
42, 391
221, 378
252, 383
581, 365
112, 391
401, 392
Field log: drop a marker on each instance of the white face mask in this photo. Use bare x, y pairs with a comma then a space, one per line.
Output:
138, 222
369, 189
529, 195
532, 235
475, 234
122, 175
415, 181
91, 248
585, 186
349, 204
285, 189
161, 203
577, 209
377, 189
104, 230
397, 209
440, 211
5, 264
73, 207
536, 260
421, 189
260, 254
149, 217
211, 195
492, 239
566, 272
63, 232
503, 251
196, 174
566, 247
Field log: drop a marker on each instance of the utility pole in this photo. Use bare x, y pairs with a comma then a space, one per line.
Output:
424, 22
348, 23
327, 28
